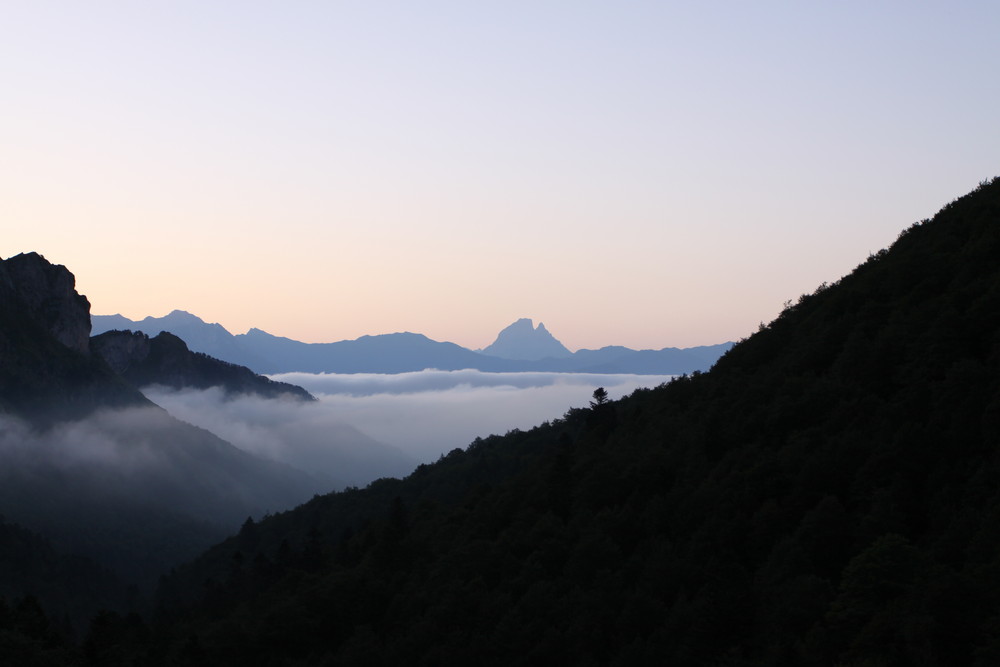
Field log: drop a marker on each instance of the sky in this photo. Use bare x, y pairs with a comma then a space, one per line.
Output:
648, 174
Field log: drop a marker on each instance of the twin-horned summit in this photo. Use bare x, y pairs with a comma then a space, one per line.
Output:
522, 341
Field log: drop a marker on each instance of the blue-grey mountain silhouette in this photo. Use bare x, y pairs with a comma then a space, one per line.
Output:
404, 352
522, 341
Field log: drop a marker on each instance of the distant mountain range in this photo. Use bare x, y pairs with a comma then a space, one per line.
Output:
519, 347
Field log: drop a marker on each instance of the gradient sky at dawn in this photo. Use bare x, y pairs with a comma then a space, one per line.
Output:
647, 174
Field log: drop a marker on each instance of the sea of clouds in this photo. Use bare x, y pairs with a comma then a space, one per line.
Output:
366, 426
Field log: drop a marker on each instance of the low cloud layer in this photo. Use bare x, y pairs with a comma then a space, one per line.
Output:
312, 437
431, 412
116, 439
362, 427
368, 384
136, 489
138, 457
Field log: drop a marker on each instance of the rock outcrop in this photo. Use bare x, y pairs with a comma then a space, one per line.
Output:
121, 349
47, 373
48, 292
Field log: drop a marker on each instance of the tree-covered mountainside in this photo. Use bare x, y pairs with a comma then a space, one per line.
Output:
72, 588
166, 360
825, 495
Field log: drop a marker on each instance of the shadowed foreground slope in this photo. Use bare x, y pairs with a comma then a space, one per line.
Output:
825, 495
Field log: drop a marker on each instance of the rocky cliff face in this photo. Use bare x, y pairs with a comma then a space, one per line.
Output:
47, 373
48, 291
122, 349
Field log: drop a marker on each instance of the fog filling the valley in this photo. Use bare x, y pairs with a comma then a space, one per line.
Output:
408, 418
106, 438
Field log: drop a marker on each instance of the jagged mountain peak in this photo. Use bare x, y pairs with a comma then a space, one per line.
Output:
523, 341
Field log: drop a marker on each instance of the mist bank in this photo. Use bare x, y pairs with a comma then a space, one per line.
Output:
136, 489
429, 413
430, 380
366, 425
316, 437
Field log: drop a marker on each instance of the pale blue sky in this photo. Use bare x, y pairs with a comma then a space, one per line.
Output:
647, 174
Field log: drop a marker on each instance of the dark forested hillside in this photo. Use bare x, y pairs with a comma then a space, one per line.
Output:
71, 587
825, 495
